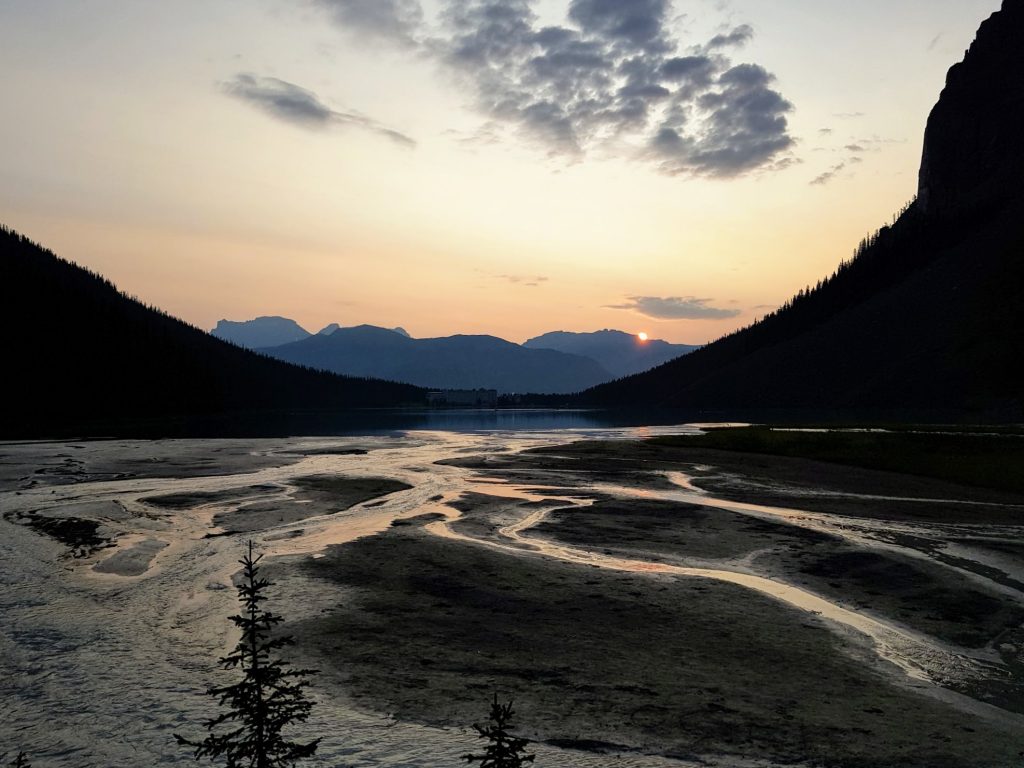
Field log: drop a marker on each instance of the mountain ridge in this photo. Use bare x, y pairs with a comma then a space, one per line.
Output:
462, 361
618, 352
263, 331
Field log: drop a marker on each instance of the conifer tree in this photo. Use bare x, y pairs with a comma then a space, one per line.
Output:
21, 761
503, 749
269, 697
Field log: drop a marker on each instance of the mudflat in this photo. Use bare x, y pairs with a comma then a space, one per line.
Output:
427, 627
311, 497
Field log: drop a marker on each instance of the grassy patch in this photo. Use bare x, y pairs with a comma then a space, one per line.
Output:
985, 460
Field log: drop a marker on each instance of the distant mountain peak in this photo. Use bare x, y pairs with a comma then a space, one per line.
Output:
327, 330
618, 352
263, 331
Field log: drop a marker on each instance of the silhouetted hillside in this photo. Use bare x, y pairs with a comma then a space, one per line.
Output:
83, 356
452, 362
619, 353
929, 314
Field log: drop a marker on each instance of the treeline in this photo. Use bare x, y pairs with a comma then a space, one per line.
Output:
83, 355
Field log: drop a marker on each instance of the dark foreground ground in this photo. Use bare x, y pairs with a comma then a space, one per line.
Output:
427, 628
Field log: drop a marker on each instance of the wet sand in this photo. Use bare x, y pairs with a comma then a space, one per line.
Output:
311, 497
685, 667
131, 561
919, 594
427, 628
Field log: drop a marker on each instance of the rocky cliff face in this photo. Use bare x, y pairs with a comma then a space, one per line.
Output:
974, 141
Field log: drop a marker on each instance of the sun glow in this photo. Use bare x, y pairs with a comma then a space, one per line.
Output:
642, 336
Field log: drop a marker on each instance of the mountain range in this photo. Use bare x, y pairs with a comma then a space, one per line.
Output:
453, 362
269, 331
928, 317
558, 362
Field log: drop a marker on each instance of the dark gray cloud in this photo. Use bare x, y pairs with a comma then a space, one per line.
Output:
294, 104
285, 101
614, 79
676, 308
738, 37
745, 127
636, 25
397, 20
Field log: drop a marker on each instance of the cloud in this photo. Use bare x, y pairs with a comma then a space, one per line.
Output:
530, 282
675, 308
281, 99
745, 127
854, 154
294, 104
614, 80
395, 20
738, 37
828, 175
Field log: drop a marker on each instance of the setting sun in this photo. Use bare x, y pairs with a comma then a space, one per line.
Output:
642, 336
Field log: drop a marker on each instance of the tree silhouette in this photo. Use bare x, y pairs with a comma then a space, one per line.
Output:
21, 761
503, 749
267, 699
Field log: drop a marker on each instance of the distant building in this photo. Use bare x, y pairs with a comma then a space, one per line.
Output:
463, 398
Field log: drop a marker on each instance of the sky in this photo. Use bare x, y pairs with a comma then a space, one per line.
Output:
468, 166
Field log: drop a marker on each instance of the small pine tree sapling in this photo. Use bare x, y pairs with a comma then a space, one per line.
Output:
503, 749
269, 697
